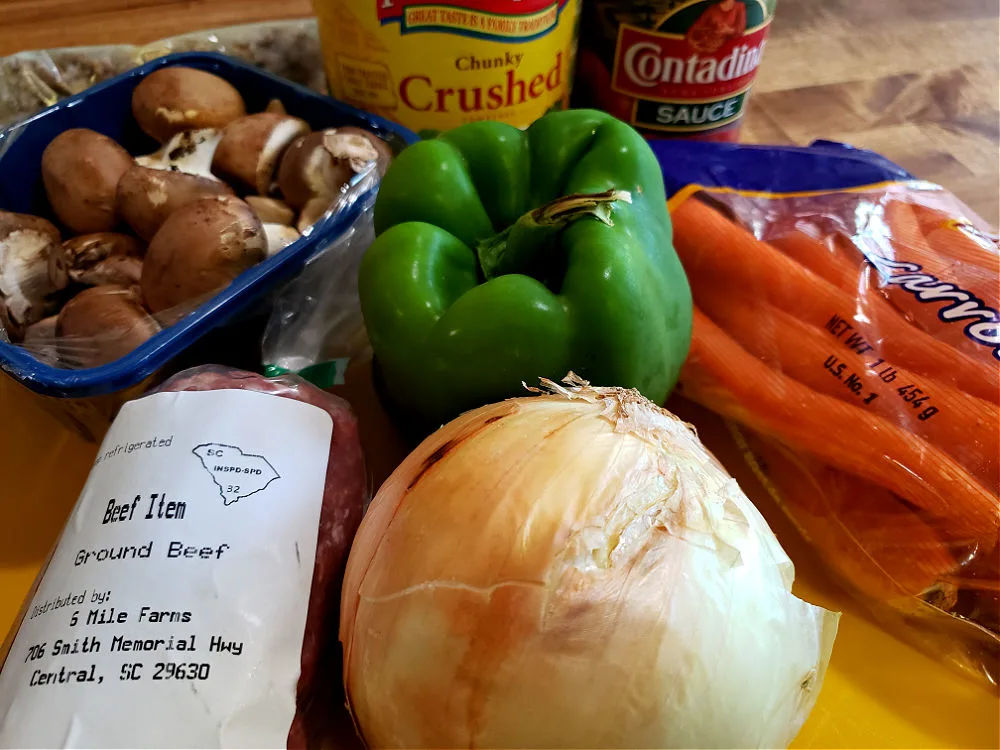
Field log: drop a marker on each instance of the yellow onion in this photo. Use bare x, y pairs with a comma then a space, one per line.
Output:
574, 569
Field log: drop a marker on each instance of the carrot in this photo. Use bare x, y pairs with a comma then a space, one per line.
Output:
965, 427
845, 272
831, 261
916, 224
929, 238
957, 270
862, 531
839, 261
724, 377
714, 249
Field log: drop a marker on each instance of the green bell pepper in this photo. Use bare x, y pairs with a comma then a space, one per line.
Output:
502, 256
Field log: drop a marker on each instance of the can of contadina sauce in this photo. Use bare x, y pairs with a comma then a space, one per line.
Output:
672, 68
433, 65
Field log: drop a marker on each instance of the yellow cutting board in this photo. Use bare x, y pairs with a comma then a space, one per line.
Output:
878, 693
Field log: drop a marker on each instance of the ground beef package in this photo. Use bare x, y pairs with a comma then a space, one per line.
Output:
186, 601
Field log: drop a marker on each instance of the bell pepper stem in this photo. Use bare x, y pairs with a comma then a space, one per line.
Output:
514, 249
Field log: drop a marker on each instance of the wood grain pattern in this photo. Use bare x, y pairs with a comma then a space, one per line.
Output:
915, 80
39, 24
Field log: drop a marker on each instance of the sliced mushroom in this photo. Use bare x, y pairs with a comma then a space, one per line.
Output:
252, 146
173, 99
80, 170
102, 324
271, 210
316, 168
279, 236
26, 286
200, 248
190, 151
146, 197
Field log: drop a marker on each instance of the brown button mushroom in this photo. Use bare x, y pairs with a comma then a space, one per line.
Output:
27, 244
307, 170
58, 267
190, 151
200, 248
80, 171
279, 236
278, 219
316, 168
102, 324
173, 99
271, 210
345, 143
146, 197
162, 182
87, 249
252, 146
116, 269
101, 258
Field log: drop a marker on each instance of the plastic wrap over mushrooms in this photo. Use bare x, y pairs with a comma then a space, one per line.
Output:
35, 79
143, 240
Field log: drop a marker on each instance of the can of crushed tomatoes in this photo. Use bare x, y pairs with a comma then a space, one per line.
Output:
435, 64
672, 68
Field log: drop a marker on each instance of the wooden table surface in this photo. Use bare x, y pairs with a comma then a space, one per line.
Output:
915, 80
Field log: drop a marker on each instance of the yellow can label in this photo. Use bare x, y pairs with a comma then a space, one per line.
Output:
434, 66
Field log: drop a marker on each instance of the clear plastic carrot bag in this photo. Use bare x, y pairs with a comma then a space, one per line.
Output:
847, 326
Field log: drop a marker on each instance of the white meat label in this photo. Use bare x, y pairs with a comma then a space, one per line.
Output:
173, 610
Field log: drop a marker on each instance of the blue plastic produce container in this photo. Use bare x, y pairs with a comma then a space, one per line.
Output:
227, 328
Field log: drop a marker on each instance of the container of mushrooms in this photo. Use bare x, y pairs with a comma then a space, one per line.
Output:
144, 222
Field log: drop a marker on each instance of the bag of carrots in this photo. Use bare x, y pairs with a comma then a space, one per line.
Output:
846, 325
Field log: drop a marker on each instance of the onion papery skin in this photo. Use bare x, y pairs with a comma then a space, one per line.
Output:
574, 569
